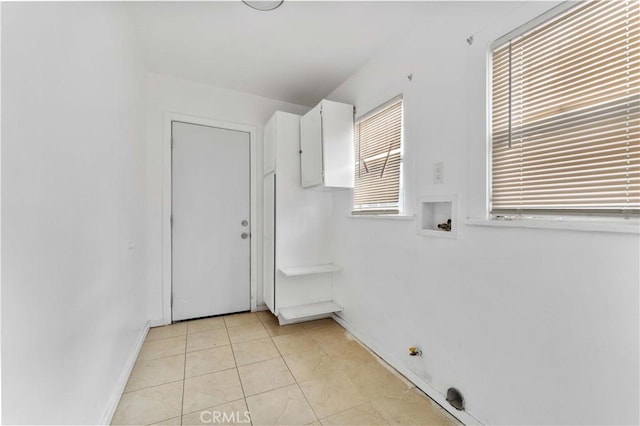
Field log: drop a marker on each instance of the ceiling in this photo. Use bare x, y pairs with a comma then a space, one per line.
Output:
298, 53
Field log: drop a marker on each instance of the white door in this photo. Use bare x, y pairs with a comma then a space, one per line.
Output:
211, 231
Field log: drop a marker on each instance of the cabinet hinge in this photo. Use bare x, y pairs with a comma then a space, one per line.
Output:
172, 300
171, 220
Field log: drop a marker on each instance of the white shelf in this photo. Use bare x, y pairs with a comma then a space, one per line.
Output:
291, 271
310, 310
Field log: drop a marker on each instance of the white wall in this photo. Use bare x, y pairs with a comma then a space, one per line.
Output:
73, 203
534, 326
168, 94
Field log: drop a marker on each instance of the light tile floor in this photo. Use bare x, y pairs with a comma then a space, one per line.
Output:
212, 371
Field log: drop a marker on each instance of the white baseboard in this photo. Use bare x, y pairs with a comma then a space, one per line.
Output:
157, 323
420, 383
262, 307
124, 377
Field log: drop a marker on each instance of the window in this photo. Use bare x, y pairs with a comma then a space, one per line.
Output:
378, 159
565, 114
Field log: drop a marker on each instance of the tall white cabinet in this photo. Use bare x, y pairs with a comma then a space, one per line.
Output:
297, 240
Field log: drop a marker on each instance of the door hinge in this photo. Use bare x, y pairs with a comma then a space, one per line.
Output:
172, 300
171, 220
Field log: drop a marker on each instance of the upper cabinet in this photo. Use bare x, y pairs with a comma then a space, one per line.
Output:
326, 144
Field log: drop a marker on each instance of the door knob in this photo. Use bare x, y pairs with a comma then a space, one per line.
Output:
244, 223
244, 235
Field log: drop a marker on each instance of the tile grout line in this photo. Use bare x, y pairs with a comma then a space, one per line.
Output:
207, 330
183, 380
304, 381
271, 338
214, 406
256, 362
153, 386
163, 356
270, 390
184, 374
210, 372
296, 381
208, 349
165, 338
344, 411
244, 395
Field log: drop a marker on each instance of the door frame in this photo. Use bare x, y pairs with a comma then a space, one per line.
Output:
168, 118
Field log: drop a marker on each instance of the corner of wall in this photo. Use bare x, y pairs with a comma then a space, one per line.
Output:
120, 385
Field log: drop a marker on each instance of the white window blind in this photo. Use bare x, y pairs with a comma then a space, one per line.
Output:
565, 114
378, 150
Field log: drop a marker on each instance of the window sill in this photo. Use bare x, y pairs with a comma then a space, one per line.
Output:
629, 226
382, 216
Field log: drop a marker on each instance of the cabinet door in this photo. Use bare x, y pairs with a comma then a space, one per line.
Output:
337, 144
311, 146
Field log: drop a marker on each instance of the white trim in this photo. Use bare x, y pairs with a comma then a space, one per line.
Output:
399, 97
402, 208
262, 307
124, 377
373, 111
168, 117
418, 381
630, 226
156, 323
542, 19
488, 147
382, 216
1, 229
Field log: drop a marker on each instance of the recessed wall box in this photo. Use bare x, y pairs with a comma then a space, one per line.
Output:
438, 216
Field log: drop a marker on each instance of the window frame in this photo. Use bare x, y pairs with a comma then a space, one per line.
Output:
562, 217
400, 213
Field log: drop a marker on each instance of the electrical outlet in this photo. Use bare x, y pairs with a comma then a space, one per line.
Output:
438, 172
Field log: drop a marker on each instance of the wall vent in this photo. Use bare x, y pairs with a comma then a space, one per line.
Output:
455, 398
